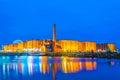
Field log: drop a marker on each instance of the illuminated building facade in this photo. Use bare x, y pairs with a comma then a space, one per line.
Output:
76, 46
57, 46
87, 46
47, 46
21, 46
11, 48
29, 46
68, 45
105, 47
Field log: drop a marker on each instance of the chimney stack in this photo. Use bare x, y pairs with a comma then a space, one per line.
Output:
54, 33
54, 38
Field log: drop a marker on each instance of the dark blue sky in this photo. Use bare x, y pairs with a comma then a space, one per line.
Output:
91, 20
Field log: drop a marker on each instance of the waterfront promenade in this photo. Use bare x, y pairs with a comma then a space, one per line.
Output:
52, 54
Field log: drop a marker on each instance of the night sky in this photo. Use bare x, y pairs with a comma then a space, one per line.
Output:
84, 20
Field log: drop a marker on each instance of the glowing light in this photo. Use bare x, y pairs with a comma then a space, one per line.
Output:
30, 68
4, 72
40, 67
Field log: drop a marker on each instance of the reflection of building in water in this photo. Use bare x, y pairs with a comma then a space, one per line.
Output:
54, 70
69, 66
32, 65
90, 65
45, 67
55, 45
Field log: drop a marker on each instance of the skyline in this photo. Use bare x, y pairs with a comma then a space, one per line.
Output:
87, 20
54, 38
91, 40
55, 45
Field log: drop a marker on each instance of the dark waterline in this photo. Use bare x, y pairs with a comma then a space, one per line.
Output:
58, 68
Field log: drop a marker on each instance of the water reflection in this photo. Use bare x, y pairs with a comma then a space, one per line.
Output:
28, 65
69, 66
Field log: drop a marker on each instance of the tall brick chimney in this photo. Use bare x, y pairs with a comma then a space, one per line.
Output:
54, 38
54, 33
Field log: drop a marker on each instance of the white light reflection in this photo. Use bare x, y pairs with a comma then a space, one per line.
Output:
23, 69
30, 59
16, 69
30, 70
30, 65
8, 69
4, 72
40, 67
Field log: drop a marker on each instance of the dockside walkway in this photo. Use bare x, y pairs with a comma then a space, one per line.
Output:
52, 54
